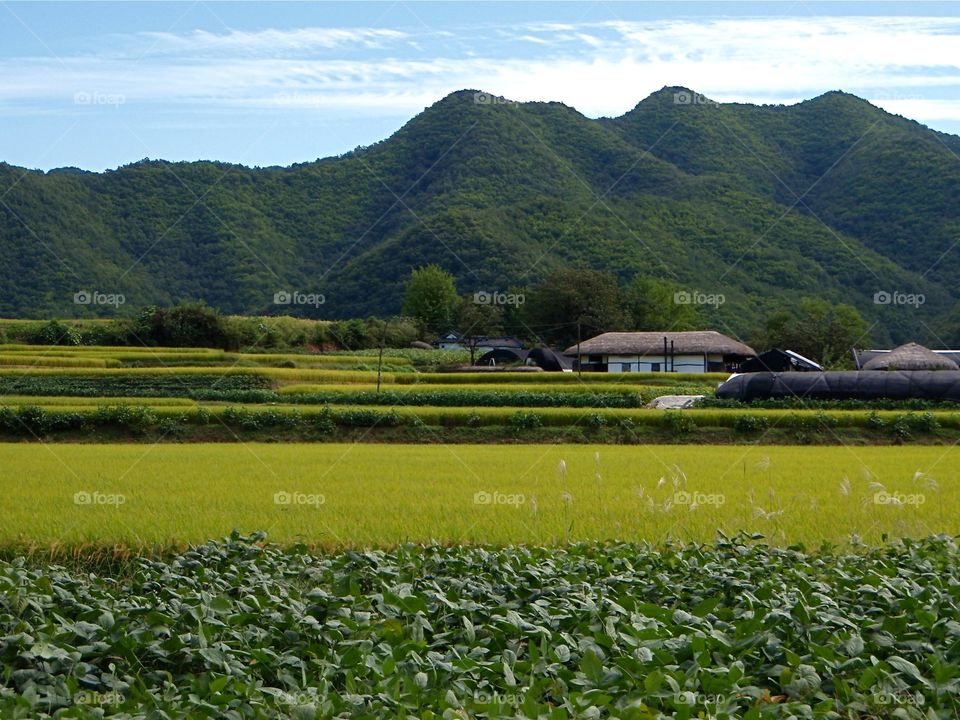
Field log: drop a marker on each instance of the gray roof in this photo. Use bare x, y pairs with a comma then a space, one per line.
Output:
862, 357
651, 343
911, 357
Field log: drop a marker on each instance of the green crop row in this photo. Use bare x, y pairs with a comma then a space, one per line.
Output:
31, 361
453, 397
587, 388
75, 401
156, 384
16, 420
667, 379
236, 629
101, 349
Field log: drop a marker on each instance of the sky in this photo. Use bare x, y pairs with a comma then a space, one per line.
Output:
100, 85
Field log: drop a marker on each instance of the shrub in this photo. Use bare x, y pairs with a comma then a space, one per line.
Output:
323, 422
595, 421
677, 422
525, 420
185, 325
747, 424
55, 333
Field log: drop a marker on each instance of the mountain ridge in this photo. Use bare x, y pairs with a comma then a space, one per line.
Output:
763, 203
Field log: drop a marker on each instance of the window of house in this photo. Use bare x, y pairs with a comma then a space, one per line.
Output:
654, 367
625, 367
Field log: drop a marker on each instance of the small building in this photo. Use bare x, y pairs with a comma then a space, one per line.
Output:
780, 361
452, 340
910, 357
697, 351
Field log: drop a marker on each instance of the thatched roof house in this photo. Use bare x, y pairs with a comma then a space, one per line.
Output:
695, 351
911, 357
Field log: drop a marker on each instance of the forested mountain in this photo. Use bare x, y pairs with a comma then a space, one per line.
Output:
832, 197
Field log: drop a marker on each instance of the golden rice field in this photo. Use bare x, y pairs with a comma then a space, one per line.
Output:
340, 495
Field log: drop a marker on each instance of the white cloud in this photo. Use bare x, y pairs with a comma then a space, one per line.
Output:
907, 65
269, 41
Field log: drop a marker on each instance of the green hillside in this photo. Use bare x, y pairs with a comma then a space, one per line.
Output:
831, 197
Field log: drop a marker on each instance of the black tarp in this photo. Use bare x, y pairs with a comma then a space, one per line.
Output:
544, 358
501, 356
549, 360
777, 361
848, 385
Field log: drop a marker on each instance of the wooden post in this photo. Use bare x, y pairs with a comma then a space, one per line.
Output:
383, 341
579, 358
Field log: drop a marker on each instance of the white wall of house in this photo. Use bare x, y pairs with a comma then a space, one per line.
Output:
660, 363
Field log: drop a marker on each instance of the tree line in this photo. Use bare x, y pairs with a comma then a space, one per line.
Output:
573, 304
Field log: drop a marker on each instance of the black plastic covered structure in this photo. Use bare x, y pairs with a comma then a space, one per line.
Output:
849, 385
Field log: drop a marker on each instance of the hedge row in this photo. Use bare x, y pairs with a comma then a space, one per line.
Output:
140, 385
437, 398
666, 379
32, 420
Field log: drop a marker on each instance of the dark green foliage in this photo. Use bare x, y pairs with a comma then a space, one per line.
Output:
458, 398
678, 422
430, 296
737, 630
186, 325
704, 197
525, 420
817, 329
575, 303
54, 333
161, 385
750, 423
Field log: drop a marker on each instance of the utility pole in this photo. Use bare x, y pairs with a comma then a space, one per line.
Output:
579, 358
383, 341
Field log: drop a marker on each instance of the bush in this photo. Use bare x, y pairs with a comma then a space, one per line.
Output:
323, 422
525, 420
185, 325
367, 418
677, 422
55, 333
748, 424
595, 421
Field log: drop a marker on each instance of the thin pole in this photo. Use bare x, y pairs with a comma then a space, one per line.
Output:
579, 358
383, 341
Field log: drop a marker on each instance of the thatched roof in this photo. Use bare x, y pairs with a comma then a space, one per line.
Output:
911, 357
651, 343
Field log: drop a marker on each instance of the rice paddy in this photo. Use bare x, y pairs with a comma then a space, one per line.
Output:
354, 495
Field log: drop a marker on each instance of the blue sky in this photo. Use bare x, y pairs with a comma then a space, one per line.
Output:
98, 85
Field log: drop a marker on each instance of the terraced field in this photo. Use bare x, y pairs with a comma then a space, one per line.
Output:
462, 545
